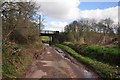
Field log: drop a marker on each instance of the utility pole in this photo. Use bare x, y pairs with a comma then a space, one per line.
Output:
39, 27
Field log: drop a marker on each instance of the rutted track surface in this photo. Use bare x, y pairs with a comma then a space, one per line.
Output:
54, 63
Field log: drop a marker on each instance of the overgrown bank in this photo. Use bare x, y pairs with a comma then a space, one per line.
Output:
16, 58
20, 36
104, 70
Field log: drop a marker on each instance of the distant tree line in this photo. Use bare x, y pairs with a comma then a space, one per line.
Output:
90, 31
119, 35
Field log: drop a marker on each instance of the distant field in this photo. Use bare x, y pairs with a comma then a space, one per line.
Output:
46, 38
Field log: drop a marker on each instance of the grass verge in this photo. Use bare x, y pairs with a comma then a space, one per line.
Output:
104, 70
103, 54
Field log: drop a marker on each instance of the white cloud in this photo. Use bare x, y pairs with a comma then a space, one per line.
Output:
57, 25
63, 9
99, 14
67, 10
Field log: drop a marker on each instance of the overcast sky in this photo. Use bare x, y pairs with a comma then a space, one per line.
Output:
59, 13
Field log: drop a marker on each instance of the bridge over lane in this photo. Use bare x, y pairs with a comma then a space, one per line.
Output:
53, 34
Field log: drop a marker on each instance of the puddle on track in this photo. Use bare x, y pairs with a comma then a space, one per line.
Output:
86, 73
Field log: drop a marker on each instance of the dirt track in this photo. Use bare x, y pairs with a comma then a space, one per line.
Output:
51, 64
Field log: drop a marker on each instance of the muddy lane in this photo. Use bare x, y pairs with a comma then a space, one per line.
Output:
54, 63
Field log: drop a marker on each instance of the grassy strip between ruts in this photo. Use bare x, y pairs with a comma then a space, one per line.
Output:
104, 70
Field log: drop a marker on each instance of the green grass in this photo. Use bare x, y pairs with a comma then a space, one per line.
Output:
46, 38
9, 68
100, 53
17, 57
13, 62
104, 70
